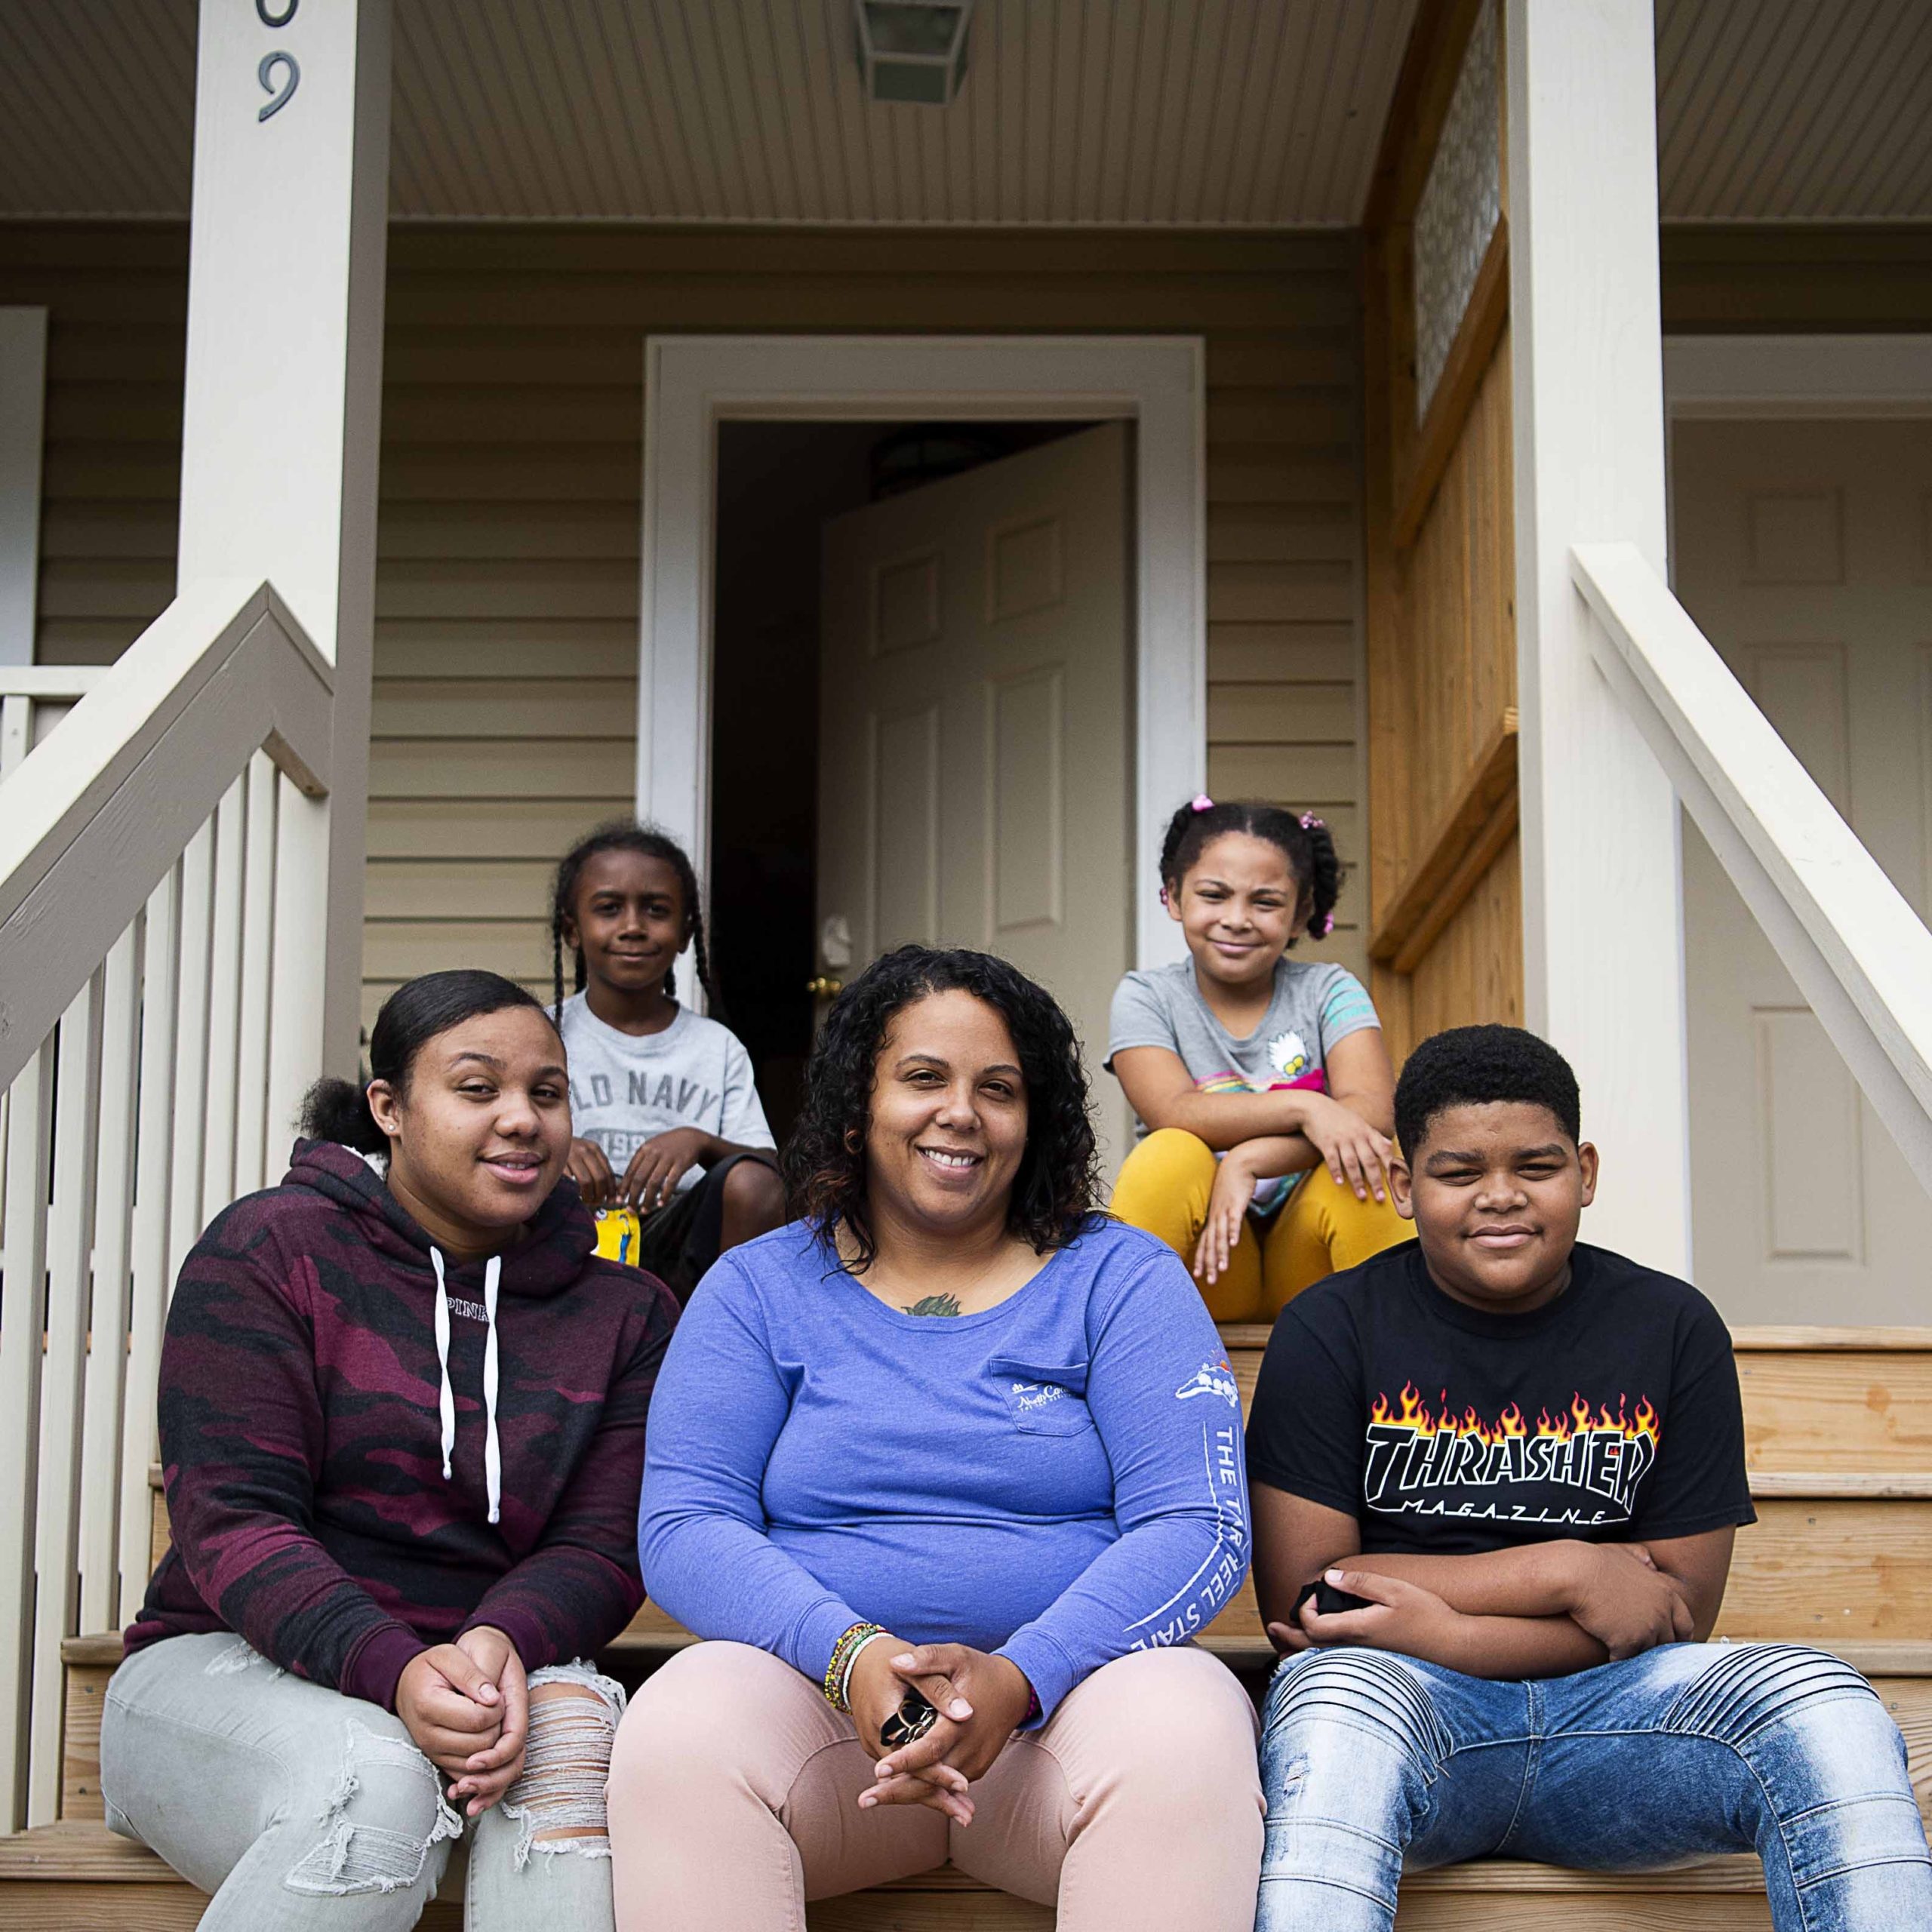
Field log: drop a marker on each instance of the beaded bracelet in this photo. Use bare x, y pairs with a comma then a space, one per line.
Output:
844, 1653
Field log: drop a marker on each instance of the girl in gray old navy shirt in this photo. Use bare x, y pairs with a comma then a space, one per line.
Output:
671, 1151
1262, 1087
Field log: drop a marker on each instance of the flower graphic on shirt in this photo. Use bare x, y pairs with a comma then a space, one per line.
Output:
1288, 1054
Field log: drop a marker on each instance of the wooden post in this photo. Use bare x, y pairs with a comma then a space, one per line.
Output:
281, 431
1602, 904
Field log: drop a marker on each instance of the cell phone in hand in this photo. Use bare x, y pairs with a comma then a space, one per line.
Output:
1329, 1601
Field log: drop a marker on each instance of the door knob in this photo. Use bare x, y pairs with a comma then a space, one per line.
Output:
821, 987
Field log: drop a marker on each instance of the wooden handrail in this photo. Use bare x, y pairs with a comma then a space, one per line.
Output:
50, 684
98, 814
1860, 954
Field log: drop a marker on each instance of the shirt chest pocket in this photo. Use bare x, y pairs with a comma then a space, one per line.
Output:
1043, 1401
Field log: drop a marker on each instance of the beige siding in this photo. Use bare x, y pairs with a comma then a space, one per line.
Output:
506, 593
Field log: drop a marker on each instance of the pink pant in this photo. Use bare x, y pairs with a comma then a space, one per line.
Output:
733, 1789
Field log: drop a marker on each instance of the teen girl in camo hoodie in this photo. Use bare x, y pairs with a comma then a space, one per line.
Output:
402, 1426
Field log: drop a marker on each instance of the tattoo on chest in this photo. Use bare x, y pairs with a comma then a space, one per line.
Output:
935, 1305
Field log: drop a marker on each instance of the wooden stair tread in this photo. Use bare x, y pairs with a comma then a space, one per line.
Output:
85, 1851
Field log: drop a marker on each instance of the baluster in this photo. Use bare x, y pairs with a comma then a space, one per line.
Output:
29, 1145
154, 1154
301, 952
56, 1516
224, 1001
191, 1050
107, 1321
252, 1080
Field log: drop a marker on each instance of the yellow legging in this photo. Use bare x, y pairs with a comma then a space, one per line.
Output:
1164, 1185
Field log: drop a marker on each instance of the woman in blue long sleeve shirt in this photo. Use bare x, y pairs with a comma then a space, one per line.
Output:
950, 1431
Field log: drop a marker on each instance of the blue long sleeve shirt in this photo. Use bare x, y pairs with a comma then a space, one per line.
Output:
1059, 1478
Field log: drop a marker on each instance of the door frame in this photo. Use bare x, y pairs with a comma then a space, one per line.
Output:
692, 384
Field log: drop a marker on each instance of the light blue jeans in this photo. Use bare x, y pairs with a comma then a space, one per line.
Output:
303, 1810
1372, 1762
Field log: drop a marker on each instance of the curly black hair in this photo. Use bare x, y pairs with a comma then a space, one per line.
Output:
1303, 839
824, 1161
1475, 1066
626, 834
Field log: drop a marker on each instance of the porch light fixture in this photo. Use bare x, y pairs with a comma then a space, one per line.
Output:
912, 51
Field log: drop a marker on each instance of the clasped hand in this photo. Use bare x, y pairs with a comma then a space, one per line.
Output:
981, 1700
651, 1178
467, 1706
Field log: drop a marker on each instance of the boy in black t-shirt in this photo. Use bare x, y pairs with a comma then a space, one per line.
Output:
1528, 1457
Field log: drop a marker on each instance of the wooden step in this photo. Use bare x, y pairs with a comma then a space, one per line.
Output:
1901, 1672
80, 1878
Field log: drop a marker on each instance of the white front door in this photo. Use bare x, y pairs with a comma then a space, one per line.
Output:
1804, 549
974, 724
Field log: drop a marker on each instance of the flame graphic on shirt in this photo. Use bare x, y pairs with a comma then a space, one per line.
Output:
1579, 1419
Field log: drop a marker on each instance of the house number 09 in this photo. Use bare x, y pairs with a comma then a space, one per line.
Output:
280, 74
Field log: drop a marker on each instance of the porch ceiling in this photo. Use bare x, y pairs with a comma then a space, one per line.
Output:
1191, 113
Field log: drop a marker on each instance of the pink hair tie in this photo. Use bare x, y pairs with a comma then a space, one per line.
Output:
1310, 821
1200, 802
1327, 925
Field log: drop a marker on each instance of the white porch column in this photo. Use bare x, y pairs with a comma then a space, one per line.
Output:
281, 428
1603, 928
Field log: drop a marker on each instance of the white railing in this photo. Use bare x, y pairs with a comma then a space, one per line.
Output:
153, 953
1860, 954
34, 698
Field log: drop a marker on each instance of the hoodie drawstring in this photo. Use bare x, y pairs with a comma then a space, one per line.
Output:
445, 1395
493, 1454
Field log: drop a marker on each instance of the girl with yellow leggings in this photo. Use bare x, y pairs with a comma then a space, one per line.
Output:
1262, 1081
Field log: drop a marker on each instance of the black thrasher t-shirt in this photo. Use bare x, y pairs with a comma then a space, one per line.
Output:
1611, 1413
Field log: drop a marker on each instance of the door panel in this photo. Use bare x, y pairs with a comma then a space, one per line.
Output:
974, 732
1802, 550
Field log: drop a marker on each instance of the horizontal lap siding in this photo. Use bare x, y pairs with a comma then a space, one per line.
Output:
506, 593
117, 301
512, 464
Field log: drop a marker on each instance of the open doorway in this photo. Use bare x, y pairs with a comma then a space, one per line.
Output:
922, 672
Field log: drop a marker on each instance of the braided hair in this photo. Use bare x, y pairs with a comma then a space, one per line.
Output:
1303, 840
626, 834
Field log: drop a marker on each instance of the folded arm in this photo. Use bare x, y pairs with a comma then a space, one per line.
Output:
1538, 1609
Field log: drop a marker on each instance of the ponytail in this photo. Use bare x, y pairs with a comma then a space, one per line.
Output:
337, 1109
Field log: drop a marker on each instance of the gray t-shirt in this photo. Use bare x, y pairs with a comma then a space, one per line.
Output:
627, 1088
1315, 1005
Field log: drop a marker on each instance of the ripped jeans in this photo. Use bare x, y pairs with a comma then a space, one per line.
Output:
300, 1809
1371, 1762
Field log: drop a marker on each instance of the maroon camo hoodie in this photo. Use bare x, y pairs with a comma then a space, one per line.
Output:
304, 1416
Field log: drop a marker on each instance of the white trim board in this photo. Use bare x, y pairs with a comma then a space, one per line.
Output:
1798, 375
693, 382
22, 407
